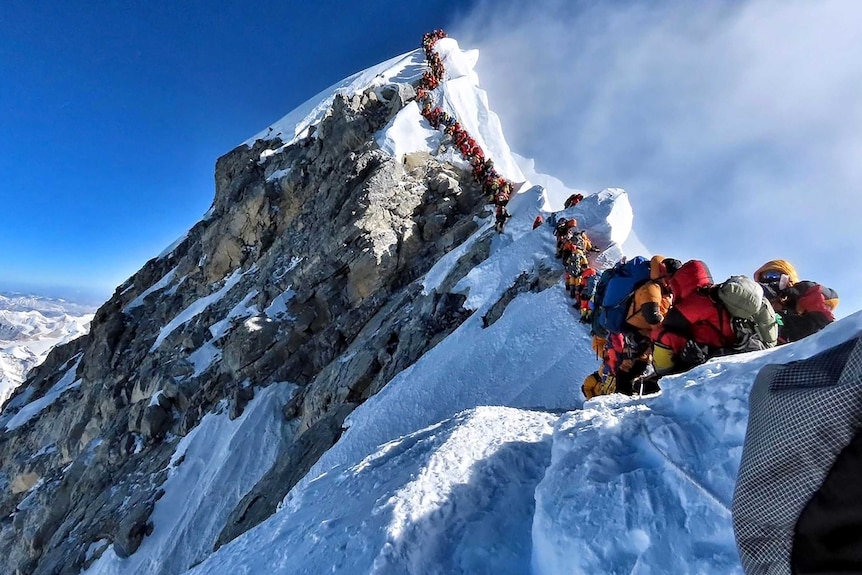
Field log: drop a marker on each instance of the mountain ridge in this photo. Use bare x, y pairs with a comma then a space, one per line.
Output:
311, 250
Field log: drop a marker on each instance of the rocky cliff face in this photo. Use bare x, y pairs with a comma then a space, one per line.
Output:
303, 271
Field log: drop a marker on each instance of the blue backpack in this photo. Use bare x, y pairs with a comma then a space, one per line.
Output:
624, 278
590, 286
596, 327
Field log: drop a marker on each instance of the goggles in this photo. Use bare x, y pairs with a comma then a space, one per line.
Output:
770, 276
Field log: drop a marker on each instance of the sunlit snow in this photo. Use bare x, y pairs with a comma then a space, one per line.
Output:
65, 383
30, 327
212, 468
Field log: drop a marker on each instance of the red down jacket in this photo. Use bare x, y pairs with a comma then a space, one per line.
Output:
694, 315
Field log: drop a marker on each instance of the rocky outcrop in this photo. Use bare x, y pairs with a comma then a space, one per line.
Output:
304, 270
540, 280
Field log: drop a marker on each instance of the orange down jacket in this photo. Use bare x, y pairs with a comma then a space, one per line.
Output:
651, 300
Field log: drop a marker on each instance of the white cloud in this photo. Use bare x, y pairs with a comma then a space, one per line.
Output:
747, 113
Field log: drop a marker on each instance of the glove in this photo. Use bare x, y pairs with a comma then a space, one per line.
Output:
769, 292
694, 354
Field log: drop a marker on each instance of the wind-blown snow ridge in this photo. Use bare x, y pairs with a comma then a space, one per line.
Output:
440, 493
406, 68
459, 95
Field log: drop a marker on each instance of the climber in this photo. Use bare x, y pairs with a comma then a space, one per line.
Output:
573, 200
651, 301
708, 320
586, 292
646, 310
569, 243
600, 382
804, 307
505, 192
500, 219
561, 231
628, 356
581, 241
576, 263
538, 221
692, 322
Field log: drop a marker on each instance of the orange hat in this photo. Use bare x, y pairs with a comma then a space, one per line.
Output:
782, 266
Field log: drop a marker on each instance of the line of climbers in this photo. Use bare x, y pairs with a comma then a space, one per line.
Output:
498, 188
573, 245
659, 316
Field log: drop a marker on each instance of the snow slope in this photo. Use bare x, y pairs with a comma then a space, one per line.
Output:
613, 485
483, 457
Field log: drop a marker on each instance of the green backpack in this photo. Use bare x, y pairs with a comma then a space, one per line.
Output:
753, 316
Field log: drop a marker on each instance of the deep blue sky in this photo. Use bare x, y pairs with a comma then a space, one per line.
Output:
114, 113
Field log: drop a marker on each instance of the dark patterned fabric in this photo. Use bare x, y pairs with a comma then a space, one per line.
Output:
828, 534
801, 416
824, 369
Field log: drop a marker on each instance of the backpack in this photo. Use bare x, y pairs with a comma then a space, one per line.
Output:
579, 240
753, 318
576, 264
589, 289
625, 278
596, 327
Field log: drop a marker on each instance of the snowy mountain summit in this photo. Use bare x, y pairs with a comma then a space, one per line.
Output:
343, 368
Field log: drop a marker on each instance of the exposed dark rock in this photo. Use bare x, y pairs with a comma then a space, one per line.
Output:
305, 270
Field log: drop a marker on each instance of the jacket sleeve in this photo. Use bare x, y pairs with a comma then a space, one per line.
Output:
648, 299
796, 327
652, 314
812, 300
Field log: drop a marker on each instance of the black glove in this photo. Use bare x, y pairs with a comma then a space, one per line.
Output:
694, 354
769, 292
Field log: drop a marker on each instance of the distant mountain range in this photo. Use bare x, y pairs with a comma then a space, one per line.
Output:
30, 326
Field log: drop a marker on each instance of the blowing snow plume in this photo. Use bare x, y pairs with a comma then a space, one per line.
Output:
746, 110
